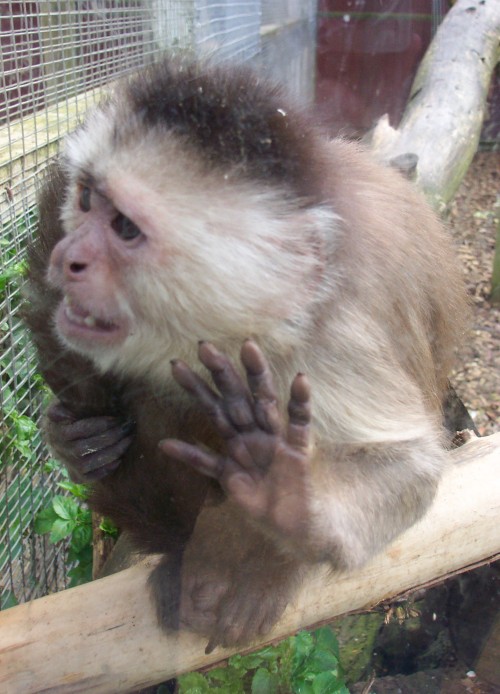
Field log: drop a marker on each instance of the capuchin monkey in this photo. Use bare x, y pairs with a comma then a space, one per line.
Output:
196, 225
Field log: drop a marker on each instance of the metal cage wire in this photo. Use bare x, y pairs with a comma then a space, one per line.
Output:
56, 58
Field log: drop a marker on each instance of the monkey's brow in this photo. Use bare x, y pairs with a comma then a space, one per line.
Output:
88, 180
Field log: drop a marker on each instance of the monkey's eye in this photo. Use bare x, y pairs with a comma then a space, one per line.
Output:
84, 199
125, 229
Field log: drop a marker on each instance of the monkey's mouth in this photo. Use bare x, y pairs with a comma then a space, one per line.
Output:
74, 321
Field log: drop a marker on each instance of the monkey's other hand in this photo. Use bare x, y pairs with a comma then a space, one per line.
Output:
266, 471
91, 448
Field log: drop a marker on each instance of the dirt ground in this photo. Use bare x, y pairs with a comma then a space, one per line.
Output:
473, 217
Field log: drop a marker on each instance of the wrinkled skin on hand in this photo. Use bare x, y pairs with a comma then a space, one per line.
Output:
266, 468
92, 447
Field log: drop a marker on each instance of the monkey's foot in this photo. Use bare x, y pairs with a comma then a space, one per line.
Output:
236, 605
234, 582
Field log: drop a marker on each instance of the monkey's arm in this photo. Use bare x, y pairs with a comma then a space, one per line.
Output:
237, 580
341, 504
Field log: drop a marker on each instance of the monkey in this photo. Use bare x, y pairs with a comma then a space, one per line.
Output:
248, 328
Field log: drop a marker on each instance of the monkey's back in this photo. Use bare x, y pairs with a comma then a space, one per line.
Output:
403, 270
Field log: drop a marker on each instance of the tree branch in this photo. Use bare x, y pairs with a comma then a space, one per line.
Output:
103, 636
443, 119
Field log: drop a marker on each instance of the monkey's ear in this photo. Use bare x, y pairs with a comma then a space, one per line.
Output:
406, 164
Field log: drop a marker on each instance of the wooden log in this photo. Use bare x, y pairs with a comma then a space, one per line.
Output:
103, 637
442, 121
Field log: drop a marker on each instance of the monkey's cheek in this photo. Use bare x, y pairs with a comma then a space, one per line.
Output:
87, 332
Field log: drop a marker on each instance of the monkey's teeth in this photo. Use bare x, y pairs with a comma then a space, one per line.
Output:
89, 321
79, 316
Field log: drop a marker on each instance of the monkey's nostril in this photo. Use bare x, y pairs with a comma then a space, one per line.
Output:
77, 267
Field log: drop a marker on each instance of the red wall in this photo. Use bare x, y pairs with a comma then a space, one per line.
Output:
367, 55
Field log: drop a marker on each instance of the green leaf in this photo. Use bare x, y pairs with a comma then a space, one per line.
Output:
81, 537
220, 674
302, 686
65, 507
326, 640
80, 491
80, 574
263, 682
319, 661
303, 644
61, 529
327, 683
25, 427
11, 273
84, 516
84, 556
316, 668
193, 683
45, 519
53, 465
266, 655
108, 527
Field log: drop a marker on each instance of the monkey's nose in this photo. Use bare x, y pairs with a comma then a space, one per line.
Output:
76, 268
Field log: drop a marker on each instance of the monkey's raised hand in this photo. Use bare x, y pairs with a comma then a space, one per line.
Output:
91, 448
267, 467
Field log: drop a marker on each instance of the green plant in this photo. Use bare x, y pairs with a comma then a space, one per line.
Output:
304, 664
12, 274
68, 518
65, 517
316, 666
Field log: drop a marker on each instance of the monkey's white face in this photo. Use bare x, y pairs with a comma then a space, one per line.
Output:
93, 314
159, 254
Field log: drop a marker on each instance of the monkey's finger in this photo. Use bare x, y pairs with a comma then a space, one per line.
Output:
261, 385
299, 413
227, 629
259, 376
210, 402
235, 394
100, 463
102, 471
206, 463
239, 620
101, 441
83, 429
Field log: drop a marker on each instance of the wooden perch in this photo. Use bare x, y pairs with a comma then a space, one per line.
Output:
103, 637
443, 119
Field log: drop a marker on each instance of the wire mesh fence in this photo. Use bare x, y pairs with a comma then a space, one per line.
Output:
56, 58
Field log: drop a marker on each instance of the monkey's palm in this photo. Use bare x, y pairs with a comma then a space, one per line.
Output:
268, 478
266, 468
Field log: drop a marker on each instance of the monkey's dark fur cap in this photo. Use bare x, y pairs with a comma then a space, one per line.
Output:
232, 117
